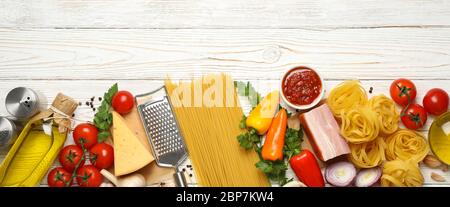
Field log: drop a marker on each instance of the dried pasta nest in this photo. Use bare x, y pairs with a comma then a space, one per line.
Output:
401, 173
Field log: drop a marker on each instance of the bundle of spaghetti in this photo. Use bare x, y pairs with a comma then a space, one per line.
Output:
388, 117
401, 173
207, 111
368, 155
359, 125
345, 96
406, 144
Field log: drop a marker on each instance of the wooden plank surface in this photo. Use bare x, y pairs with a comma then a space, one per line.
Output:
81, 47
223, 14
386, 53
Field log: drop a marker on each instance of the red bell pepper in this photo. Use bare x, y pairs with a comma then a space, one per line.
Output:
307, 169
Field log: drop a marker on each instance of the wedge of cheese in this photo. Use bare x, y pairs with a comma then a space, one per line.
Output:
130, 154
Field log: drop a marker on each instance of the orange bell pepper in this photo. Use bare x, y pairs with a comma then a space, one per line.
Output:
261, 117
273, 145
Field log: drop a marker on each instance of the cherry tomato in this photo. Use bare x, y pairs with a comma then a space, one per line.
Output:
123, 102
86, 133
414, 117
436, 101
70, 156
102, 156
89, 176
403, 91
59, 177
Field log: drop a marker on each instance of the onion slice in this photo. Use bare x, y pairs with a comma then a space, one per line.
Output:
340, 174
368, 177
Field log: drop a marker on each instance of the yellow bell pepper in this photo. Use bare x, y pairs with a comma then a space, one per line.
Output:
261, 117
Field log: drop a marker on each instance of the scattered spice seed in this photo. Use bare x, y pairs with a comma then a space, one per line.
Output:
87, 103
190, 175
189, 166
79, 103
99, 98
73, 115
184, 169
92, 99
371, 89
93, 109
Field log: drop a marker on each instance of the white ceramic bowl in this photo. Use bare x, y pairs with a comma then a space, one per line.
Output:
308, 106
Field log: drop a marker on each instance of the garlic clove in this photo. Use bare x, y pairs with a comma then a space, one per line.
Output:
438, 178
432, 162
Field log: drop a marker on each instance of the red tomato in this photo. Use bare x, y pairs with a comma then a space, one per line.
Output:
102, 156
89, 176
414, 116
403, 91
70, 156
436, 101
58, 177
123, 102
86, 133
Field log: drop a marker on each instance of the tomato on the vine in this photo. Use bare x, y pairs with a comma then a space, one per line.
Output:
436, 101
89, 176
123, 102
102, 156
59, 177
403, 91
414, 117
85, 133
70, 156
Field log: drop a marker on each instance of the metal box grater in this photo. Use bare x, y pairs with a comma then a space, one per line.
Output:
162, 130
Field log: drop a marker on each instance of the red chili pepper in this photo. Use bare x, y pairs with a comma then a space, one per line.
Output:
307, 169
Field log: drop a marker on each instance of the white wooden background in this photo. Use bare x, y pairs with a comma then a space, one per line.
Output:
81, 47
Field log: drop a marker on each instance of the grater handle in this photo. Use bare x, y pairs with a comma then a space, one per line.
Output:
143, 98
180, 179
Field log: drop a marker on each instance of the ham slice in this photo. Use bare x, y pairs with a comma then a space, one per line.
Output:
323, 133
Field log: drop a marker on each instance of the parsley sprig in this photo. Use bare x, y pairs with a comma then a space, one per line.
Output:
103, 118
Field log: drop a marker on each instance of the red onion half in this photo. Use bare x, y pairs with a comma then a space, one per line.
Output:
368, 177
340, 174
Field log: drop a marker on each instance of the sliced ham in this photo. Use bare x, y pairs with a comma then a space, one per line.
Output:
323, 133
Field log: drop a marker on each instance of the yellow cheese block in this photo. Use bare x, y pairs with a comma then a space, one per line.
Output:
130, 154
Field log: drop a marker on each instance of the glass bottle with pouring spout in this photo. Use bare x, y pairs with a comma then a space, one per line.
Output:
38, 145
439, 137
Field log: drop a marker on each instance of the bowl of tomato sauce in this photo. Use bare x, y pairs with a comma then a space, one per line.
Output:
302, 88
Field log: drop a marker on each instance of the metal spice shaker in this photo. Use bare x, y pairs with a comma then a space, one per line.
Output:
8, 133
22, 103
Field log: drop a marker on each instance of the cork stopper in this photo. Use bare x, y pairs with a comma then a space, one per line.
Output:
63, 107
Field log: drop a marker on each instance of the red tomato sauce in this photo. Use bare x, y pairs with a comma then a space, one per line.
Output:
301, 86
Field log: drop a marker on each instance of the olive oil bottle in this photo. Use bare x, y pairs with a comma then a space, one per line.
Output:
439, 137
38, 145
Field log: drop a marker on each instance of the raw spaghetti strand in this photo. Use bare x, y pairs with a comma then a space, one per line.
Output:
346, 96
388, 117
210, 131
406, 144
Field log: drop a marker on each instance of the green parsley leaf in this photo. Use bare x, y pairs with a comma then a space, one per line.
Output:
103, 117
242, 124
292, 142
102, 136
247, 90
